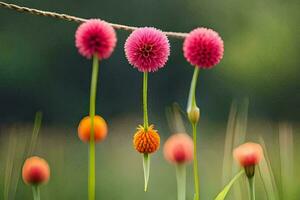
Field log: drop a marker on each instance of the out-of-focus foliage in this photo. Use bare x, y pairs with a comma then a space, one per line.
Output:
119, 167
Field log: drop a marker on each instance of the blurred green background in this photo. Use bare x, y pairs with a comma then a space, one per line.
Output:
40, 69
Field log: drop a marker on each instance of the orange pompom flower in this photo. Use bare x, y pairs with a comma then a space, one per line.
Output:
35, 171
146, 140
179, 149
100, 129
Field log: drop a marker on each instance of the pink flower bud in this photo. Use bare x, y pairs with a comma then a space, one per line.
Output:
35, 171
179, 148
248, 154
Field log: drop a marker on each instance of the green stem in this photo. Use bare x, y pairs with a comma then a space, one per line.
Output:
36, 192
145, 88
192, 94
181, 181
91, 180
196, 176
146, 157
251, 185
146, 167
193, 114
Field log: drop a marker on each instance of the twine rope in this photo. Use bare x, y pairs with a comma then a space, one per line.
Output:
71, 18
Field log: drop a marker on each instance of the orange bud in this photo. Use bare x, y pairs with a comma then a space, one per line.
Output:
146, 141
179, 148
100, 129
35, 171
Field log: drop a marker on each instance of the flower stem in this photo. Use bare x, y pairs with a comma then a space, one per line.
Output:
91, 180
193, 114
181, 181
251, 185
145, 89
192, 95
196, 176
36, 192
146, 157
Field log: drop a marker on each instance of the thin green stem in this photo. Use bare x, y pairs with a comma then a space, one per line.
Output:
92, 173
192, 94
181, 181
145, 107
146, 157
196, 176
36, 192
251, 185
193, 114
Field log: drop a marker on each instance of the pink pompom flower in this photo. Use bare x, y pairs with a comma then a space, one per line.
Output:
95, 37
147, 49
248, 154
203, 48
179, 149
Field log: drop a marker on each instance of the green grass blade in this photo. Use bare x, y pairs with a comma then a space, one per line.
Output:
266, 174
222, 195
286, 144
228, 146
235, 135
35, 133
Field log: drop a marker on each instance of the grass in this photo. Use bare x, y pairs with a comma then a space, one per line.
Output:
119, 174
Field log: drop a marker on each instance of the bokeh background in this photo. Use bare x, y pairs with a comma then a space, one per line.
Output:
40, 69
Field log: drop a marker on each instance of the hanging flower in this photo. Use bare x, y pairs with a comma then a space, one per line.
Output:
147, 49
95, 37
203, 48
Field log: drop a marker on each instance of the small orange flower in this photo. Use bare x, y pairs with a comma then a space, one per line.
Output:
100, 129
35, 171
146, 141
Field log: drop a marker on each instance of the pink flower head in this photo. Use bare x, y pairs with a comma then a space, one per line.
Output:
35, 171
179, 148
147, 49
95, 37
248, 154
203, 48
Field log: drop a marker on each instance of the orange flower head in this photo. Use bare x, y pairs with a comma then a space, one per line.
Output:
248, 154
35, 171
146, 140
100, 129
